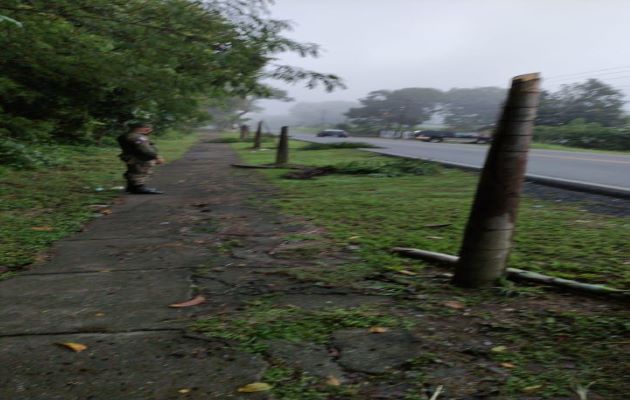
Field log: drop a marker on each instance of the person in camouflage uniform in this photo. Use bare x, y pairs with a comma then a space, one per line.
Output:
140, 155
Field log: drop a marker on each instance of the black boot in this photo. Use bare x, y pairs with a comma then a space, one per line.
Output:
142, 190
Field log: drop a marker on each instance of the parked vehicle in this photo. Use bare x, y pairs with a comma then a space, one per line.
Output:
333, 133
442, 136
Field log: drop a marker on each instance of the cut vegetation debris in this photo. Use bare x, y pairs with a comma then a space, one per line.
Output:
376, 168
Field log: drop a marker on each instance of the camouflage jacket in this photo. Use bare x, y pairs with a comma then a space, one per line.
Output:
137, 146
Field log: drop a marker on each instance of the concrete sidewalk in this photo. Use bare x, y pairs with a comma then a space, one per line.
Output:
109, 288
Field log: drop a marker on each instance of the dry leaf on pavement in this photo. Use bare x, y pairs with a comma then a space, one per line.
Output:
192, 302
457, 305
76, 347
378, 329
333, 381
255, 387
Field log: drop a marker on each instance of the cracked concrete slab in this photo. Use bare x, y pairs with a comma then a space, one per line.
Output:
92, 302
375, 353
122, 254
133, 366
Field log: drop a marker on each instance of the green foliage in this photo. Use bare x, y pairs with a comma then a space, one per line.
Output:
263, 321
388, 167
77, 70
395, 109
592, 101
579, 133
16, 154
341, 145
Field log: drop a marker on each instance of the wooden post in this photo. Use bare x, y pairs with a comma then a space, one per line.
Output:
258, 136
282, 154
244, 132
488, 235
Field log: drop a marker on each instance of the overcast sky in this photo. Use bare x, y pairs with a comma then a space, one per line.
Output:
391, 44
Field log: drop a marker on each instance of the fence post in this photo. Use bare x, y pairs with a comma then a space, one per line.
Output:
244, 132
282, 154
488, 236
258, 136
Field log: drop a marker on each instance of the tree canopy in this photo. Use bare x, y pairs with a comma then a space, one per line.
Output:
75, 70
591, 101
396, 109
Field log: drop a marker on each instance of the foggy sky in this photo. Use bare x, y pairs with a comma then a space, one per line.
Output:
391, 44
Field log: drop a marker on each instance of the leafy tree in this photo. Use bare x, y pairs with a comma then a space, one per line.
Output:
472, 108
396, 109
79, 69
592, 101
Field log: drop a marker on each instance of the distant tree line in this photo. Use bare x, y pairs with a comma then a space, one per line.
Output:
590, 114
79, 70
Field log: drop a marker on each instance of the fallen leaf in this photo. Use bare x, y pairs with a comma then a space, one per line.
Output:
192, 302
378, 329
106, 211
333, 381
100, 314
407, 272
76, 347
498, 349
457, 305
42, 228
508, 365
184, 391
532, 388
255, 387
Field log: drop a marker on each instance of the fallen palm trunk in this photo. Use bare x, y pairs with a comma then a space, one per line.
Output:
513, 273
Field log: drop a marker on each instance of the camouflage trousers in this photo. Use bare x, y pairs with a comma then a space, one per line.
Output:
137, 172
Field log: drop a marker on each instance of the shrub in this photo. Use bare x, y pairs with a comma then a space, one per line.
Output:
586, 135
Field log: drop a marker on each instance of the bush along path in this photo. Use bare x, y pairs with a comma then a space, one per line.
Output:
279, 310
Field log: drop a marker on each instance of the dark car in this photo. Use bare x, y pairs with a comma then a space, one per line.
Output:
333, 133
433, 136
462, 137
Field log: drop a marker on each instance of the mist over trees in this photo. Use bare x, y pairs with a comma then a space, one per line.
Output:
591, 101
320, 113
78, 70
473, 108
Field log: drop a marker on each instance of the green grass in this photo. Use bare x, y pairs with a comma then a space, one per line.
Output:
40, 206
547, 146
262, 321
379, 213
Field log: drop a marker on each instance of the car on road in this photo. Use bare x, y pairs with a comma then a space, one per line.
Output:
333, 133
442, 136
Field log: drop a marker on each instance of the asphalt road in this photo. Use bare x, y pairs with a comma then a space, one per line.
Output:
586, 168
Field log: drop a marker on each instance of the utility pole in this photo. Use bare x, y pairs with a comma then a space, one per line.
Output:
488, 236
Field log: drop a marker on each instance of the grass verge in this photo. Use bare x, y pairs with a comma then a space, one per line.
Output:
376, 213
40, 206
